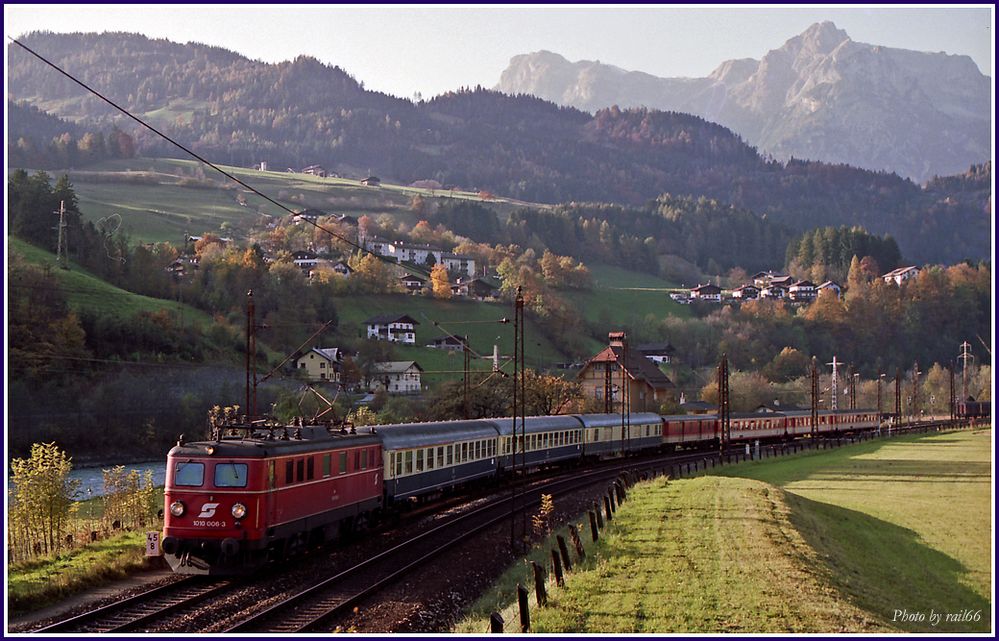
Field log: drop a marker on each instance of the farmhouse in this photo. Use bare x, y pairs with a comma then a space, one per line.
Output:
395, 328
321, 364
707, 292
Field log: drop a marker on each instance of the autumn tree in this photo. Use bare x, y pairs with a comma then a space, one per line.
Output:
440, 283
41, 500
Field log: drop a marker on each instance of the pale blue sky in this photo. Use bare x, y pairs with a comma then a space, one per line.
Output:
404, 49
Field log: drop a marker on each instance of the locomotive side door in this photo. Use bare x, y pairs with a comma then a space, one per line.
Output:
271, 495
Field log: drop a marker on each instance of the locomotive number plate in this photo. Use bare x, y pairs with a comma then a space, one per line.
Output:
198, 523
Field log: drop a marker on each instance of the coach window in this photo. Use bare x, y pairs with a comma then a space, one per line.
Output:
464, 453
409, 462
189, 474
342, 463
397, 457
230, 475
478, 450
440, 457
430, 458
419, 460
450, 453
327, 464
311, 468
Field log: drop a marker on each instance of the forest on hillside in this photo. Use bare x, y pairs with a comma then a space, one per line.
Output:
301, 112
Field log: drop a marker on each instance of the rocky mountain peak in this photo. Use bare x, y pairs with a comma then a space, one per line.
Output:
819, 96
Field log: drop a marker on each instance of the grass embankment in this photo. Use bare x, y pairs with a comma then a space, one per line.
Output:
86, 292
899, 525
35, 584
827, 542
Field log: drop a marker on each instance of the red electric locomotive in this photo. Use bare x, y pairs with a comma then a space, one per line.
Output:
235, 502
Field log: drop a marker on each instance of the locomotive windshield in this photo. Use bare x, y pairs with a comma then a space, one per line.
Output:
189, 474
230, 475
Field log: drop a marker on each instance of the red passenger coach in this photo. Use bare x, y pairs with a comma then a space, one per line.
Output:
232, 503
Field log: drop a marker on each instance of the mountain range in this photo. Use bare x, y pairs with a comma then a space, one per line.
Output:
821, 96
234, 110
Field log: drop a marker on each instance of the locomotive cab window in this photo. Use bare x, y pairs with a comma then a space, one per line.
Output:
189, 474
230, 475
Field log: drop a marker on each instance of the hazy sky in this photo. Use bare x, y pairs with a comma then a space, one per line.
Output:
431, 49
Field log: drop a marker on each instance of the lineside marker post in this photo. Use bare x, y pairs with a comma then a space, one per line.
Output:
539, 584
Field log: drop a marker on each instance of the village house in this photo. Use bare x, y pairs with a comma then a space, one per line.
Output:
658, 353
395, 328
830, 286
315, 170
341, 267
396, 377
477, 288
707, 292
746, 292
305, 260
458, 264
802, 291
900, 275
449, 343
308, 215
372, 181
773, 292
601, 378
413, 284
411, 252
782, 281
321, 364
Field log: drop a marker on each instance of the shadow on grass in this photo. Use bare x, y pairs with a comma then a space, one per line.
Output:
884, 568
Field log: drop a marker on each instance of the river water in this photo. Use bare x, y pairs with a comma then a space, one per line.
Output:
92, 478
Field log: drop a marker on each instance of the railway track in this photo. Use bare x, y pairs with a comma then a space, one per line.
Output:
143, 609
317, 607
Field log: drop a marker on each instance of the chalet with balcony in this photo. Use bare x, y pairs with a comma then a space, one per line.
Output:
395, 328
709, 292
802, 291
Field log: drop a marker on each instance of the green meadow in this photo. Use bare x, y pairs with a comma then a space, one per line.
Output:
883, 536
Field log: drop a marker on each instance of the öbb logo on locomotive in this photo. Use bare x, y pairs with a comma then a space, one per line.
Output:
289, 489
208, 510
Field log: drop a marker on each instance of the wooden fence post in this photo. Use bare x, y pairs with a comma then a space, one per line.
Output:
539, 583
564, 549
525, 612
577, 542
496, 623
557, 568
599, 513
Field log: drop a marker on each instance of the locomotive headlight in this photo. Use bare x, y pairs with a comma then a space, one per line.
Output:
177, 508
238, 510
